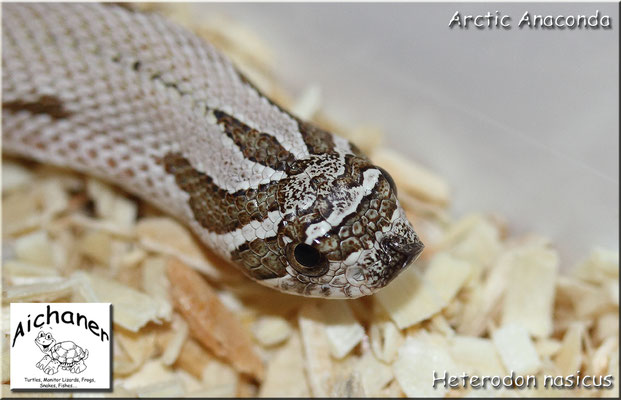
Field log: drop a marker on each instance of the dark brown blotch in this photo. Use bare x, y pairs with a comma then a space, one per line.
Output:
49, 105
256, 146
214, 208
317, 140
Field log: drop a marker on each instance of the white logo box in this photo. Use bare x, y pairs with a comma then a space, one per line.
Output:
61, 346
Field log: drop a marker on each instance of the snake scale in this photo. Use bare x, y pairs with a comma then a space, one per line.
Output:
139, 101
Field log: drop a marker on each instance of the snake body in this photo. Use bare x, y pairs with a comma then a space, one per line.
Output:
139, 101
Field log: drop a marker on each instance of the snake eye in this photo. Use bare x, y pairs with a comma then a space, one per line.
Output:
48, 336
391, 181
306, 259
41, 334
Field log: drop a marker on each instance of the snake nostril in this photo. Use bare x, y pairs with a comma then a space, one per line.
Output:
414, 250
410, 250
390, 243
417, 247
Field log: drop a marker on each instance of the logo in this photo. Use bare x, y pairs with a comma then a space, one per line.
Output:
65, 355
61, 346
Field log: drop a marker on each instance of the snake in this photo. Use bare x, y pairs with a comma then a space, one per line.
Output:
143, 103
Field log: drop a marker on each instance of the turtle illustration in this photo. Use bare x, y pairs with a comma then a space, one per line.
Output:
66, 355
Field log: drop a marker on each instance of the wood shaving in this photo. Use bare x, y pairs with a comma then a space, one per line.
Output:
216, 373
35, 248
14, 176
419, 357
285, 375
132, 308
516, 349
210, 321
132, 349
193, 358
374, 374
412, 177
155, 283
529, 299
480, 300
271, 330
173, 347
385, 338
475, 355
410, 299
342, 329
166, 236
316, 350
96, 245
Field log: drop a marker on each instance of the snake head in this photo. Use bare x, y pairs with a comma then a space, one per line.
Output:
344, 234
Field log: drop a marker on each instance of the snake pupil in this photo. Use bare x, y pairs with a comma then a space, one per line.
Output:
307, 255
